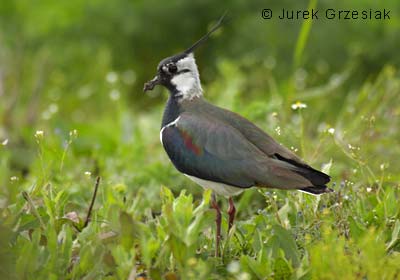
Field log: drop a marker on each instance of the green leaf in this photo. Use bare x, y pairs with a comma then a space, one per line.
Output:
183, 210
395, 235
356, 231
303, 36
282, 269
259, 269
166, 195
128, 230
27, 222
283, 240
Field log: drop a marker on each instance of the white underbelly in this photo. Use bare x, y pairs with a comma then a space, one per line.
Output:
218, 188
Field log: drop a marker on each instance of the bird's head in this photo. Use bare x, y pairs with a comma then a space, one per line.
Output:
179, 73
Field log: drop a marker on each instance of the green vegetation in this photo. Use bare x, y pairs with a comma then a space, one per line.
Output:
72, 109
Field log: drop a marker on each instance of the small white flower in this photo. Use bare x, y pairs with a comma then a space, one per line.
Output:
50, 111
112, 77
5, 142
46, 115
298, 105
331, 131
88, 173
14, 178
233, 267
244, 276
115, 94
73, 216
53, 108
39, 134
278, 130
354, 148
369, 189
73, 133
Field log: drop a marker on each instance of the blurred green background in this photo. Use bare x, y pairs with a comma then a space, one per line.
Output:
75, 70
82, 64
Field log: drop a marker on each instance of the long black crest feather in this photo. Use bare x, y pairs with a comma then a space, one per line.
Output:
205, 37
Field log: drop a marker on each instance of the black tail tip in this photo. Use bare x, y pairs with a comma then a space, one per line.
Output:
317, 190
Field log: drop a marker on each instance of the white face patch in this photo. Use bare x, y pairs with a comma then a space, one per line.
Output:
187, 82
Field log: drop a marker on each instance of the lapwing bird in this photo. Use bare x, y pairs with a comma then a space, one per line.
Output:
219, 149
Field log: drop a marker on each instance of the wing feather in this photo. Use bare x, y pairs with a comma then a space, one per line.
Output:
225, 156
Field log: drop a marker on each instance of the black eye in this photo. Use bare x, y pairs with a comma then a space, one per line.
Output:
172, 68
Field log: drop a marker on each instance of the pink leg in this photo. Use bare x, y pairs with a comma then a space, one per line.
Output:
231, 213
214, 205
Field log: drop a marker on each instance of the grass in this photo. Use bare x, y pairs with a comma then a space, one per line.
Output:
143, 221
88, 193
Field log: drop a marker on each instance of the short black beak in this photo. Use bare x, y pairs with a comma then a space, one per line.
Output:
151, 84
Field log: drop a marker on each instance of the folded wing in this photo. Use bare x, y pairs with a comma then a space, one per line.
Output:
210, 149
